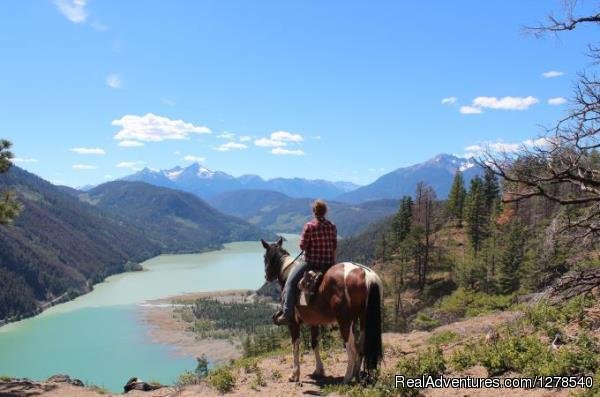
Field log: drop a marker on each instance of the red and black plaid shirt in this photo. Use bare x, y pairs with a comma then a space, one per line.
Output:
319, 241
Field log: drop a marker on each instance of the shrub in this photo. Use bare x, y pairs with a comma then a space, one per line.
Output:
424, 322
222, 379
466, 303
187, 378
462, 359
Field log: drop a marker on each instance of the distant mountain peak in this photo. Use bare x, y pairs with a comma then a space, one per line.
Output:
437, 172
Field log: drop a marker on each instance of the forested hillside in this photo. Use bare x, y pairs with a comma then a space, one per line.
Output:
63, 240
280, 213
59, 245
177, 221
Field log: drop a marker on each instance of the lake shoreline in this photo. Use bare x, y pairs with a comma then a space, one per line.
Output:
165, 327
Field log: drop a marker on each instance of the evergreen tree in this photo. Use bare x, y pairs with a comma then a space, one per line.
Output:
456, 199
476, 213
511, 258
402, 220
9, 208
202, 366
491, 189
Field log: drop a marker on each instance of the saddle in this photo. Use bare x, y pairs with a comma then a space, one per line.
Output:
308, 285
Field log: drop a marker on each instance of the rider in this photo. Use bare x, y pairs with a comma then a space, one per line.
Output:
319, 243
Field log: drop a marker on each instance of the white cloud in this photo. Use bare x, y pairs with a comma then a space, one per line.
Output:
153, 128
226, 135
469, 110
504, 147
279, 139
473, 148
73, 10
266, 142
557, 101
134, 165
281, 151
284, 136
168, 102
505, 103
231, 146
131, 144
245, 138
85, 150
83, 167
114, 81
194, 159
449, 101
23, 160
552, 73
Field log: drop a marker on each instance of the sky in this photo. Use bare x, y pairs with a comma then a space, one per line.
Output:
94, 90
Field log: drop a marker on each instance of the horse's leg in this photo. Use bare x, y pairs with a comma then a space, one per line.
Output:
361, 346
348, 337
295, 332
314, 343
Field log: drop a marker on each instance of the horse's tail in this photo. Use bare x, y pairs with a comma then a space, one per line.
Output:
373, 349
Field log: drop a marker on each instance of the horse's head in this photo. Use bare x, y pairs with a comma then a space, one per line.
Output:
273, 254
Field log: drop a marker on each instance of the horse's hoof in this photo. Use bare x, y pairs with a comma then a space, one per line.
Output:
318, 374
294, 378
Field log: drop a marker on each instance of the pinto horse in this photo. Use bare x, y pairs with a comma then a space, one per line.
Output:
348, 293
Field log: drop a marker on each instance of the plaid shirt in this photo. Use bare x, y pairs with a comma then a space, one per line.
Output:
319, 241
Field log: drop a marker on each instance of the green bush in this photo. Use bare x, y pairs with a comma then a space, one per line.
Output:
462, 359
466, 303
187, 378
424, 322
222, 379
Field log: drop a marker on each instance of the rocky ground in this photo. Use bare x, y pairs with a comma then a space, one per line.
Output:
274, 370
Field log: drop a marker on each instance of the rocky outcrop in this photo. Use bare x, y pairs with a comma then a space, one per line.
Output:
25, 387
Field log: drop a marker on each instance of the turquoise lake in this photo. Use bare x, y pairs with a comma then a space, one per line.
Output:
98, 338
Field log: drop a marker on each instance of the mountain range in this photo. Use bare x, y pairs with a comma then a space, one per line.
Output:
206, 183
437, 172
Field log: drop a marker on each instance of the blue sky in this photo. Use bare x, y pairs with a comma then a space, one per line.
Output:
343, 90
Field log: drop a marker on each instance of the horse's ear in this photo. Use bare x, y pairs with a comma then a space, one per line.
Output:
280, 241
265, 244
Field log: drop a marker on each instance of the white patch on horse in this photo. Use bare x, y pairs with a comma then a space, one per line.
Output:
348, 267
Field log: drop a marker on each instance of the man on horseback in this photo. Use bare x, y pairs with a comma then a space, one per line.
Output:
319, 243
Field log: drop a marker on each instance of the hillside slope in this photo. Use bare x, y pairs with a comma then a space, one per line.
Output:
280, 213
177, 221
59, 244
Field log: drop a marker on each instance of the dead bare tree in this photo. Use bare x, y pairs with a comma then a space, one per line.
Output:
563, 165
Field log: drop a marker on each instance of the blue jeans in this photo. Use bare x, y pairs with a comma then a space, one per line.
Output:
290, 290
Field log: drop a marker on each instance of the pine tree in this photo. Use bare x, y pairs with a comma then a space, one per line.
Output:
511, 258
491, 189
9, 208
456, 199
402, 220
476, 213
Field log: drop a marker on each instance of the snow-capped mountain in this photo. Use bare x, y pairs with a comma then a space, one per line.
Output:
206, 183
437, 172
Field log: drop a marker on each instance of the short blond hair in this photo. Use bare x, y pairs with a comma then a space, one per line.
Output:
319, 208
